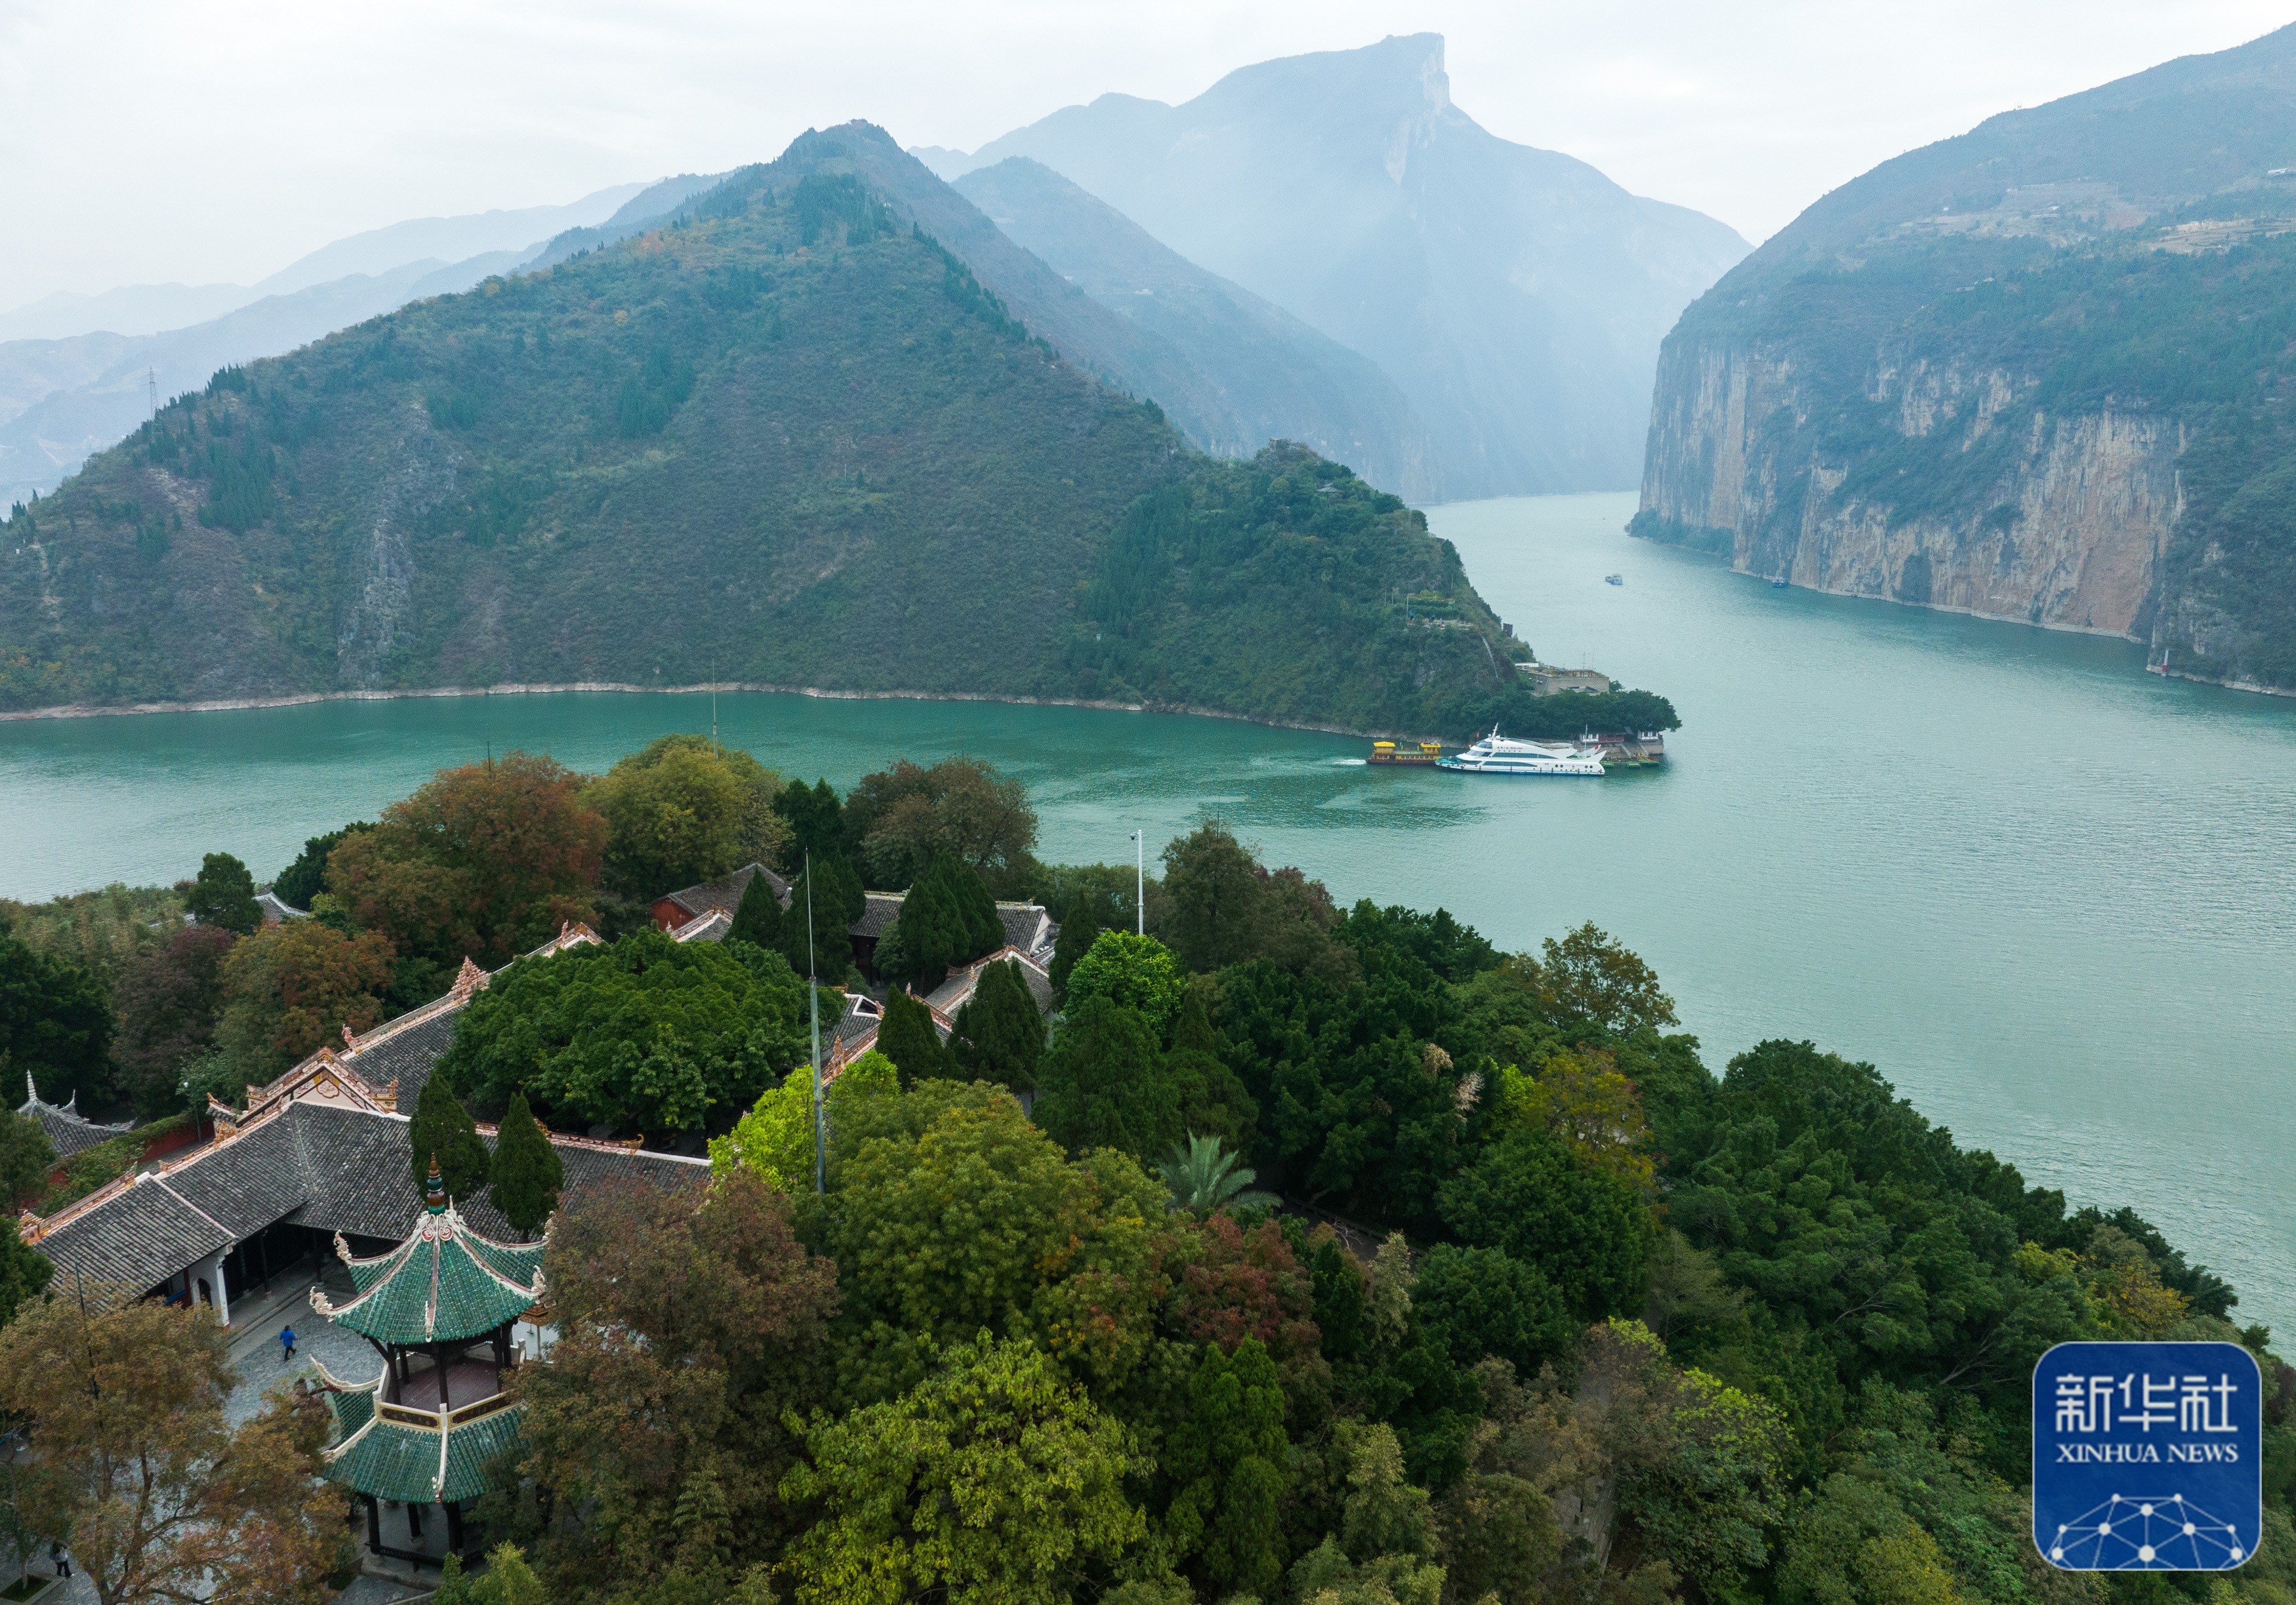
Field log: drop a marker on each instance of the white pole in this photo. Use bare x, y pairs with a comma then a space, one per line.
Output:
1140, 878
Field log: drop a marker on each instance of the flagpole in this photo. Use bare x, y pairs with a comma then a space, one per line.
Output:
813, 1000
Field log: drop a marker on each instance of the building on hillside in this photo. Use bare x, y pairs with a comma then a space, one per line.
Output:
66, 1131
431, 1427
1547, 681
856, 1033
319, 1152
277, 910
674, 910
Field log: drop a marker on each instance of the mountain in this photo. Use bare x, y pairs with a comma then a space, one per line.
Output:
2034, 371
82, 386
1281, 379
783, 438
1516, 295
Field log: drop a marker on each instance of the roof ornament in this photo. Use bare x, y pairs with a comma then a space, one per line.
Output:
349, 1041
468, 980
434, 1189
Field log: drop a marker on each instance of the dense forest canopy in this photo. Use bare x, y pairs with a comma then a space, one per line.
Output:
1310, 1254
782, 439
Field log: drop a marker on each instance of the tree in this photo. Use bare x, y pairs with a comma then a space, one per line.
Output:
1232, 1285
1203, 1177
526, 1173
130, 1454
305, 878
97, 931
168, 999
999, 1034
223, 894
909, 1038
955, 1214
24, 1271
1212, 1100
442, 1130
482, 861
1383, 1549
902, 818
1477, 1302
835, 901
1228, 1459
55, 1022
289, 989
508, 1580
947, 918
1589, 1232
1101, 1083
816, 820
994, 1479
1584, 1100
776, 1139
690, 1328
27, 1157
1588, 982
1138, 972
645, 1034
757, 919
682, 810
1215, 889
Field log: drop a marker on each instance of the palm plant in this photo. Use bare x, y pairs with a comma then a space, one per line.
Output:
1203, 1177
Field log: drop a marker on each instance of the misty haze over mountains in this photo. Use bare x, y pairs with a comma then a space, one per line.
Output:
1320, 247
1516, 295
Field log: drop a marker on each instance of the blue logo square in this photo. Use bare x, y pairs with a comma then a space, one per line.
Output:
2147, 1456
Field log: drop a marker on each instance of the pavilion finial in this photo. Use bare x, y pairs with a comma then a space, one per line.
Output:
434, 1189
468, 980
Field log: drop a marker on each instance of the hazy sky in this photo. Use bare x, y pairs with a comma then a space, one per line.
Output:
203, 140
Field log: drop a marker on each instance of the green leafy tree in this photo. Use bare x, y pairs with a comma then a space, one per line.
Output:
682, 810
526, 1173
909, 1039
758, 919
999, 1034
169, 999
1216, 893
1386, 1542
946, 919
1101, 1083
99, 931
955, 1214
223, 894
816, 820
24, 1271
901, 818
645, 1035
484, 862
776, 1139
55, 1022
1138, 972
291, 989
1588, 981
836, 900
1213, 1101
508, 1580
1479, 1302
994, 1479
305, 878
1588, 1233
442, 1129
25, 1156
691, 1327
1203, 1177
1228, 1460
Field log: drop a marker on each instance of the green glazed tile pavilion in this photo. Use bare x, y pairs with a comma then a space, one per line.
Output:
428, 1429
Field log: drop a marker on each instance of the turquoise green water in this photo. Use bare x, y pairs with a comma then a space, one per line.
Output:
2052, 896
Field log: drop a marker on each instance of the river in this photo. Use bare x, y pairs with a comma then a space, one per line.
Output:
2052, 896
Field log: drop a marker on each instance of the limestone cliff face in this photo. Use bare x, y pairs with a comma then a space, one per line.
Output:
2052, 519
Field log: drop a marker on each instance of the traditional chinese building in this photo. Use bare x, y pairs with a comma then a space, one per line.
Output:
430, 1427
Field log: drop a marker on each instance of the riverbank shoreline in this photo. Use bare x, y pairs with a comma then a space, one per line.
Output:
75, 710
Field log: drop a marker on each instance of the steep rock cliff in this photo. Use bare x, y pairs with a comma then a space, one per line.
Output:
2036, 373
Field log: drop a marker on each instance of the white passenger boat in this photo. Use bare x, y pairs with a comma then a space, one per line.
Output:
1496, 755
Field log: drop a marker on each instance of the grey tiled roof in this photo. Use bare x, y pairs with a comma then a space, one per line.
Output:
277, 908
67, 1133
407, 1055
1028, 926
883, 909
142, 1236
249, 1182
727, 894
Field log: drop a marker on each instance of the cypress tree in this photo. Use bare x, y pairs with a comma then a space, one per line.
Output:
930, 932
527, 1172
223, 894
837, 902
998, 1034
758, 919
908, 1039
444, 1127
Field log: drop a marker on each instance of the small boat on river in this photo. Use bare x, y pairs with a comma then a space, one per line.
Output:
1496, 755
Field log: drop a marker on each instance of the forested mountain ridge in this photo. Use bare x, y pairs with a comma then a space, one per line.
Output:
2035, 372
782, 439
